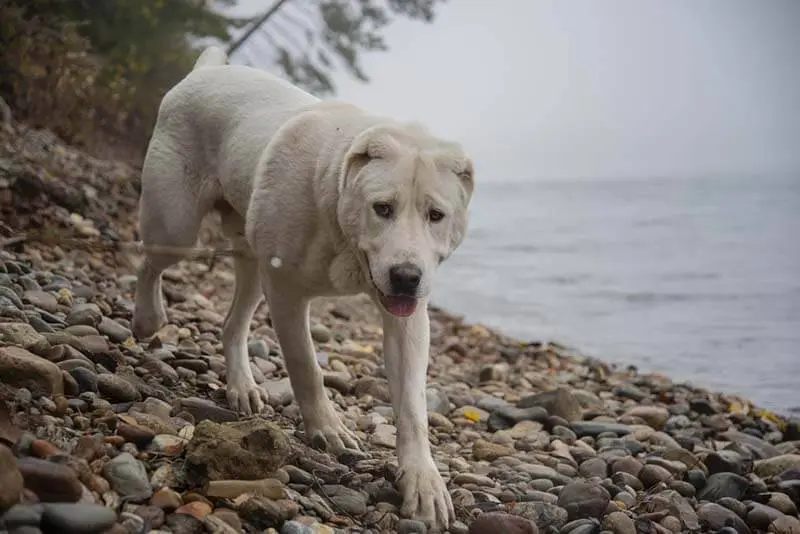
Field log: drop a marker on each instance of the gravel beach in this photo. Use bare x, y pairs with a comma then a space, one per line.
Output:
103, 433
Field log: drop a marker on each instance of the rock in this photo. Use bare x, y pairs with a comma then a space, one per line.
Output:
721, 485
782, 502
546, 516
513, 415
595, 428
654, 416
184, 524
78, 518
21, 515
280, 392
559, 402
128, 477
166, 499
437, 401
489, 451
619, 523
137, 434
230, 489
51, 482
473, 478
320, 333
499, 522
11, 482
229, 517
202, 409
651, 474
785, 525
25, 336
349, 500
717, 517
22, 369
244, 450
736, 506
196, 509
544, 472
116, 388
496, 372
409, 526
593, 467
84, 314
115, 331
677, 506
758, 447
761, 516
86, 379
41, 299
151, 517
167, 445
726, 461
262, 513
774, 466
583, 499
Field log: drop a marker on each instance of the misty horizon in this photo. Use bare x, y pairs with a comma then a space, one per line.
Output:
574, 89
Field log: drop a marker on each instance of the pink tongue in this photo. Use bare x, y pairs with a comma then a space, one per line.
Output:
401, 306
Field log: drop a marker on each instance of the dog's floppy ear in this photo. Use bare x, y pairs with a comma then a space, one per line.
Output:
466, 173
372, 143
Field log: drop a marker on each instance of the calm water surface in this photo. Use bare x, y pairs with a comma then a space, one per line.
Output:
698, 279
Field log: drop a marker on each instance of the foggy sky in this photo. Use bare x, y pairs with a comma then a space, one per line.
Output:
611, 88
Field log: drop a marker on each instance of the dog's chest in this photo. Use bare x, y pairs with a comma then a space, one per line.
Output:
346, 275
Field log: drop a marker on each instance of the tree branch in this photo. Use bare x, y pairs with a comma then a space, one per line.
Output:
256, 25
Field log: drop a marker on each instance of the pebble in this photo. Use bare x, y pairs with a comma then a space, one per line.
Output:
50, 481
76, 518
128, 477
499, 522
23, 369
11, 481
116, 388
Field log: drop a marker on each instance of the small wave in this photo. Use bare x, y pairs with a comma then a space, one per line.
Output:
652, 297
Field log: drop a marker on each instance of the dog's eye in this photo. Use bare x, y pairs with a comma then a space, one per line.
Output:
383, 209
435, 215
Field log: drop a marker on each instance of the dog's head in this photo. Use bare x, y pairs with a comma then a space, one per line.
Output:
403, 199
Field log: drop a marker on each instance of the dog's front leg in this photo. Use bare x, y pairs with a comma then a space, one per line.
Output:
289, 310
406, 346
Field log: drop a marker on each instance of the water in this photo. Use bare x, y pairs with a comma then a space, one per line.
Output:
696, 278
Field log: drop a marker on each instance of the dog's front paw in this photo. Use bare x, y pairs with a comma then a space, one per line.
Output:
425, 495
330, 434
245, 396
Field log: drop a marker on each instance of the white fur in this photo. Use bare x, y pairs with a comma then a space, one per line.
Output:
295, 180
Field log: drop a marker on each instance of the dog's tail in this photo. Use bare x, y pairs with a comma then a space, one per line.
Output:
213, 56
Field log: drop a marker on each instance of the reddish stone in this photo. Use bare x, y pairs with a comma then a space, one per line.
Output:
44, 449
501, 523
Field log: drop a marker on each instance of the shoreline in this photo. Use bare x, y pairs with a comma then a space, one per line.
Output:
137, 435
785, 412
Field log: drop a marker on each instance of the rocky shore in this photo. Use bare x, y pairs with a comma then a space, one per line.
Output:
103, 433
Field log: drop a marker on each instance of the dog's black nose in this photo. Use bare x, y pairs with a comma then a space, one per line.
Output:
405, 279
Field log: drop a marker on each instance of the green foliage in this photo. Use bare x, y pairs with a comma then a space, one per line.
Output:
308, 39
95, 71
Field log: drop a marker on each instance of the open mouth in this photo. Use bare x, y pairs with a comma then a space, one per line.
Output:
399, 305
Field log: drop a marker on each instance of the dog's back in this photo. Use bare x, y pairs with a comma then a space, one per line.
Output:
218, 120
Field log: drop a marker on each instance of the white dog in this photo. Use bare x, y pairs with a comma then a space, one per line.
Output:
328, 200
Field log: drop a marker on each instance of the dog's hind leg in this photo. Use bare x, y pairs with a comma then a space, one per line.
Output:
243, 393
170, 214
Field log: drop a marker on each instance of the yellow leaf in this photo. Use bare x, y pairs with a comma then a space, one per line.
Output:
472, 415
